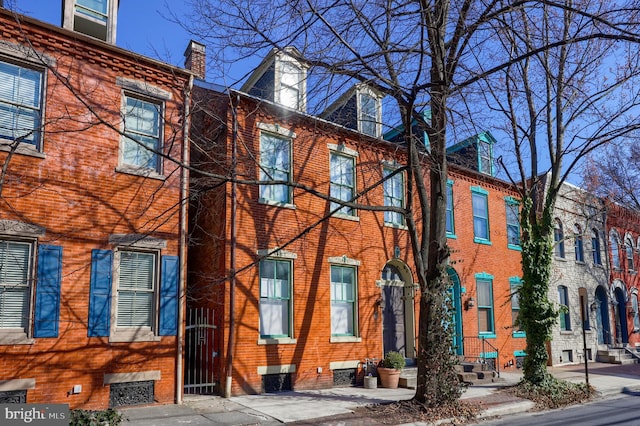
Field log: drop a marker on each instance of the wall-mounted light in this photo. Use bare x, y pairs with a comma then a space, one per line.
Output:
594, 306
470, 303
376, 309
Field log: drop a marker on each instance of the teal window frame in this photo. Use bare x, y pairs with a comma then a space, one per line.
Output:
512, 207
515, 284
565, 316
485, 305
275, 165
558, 238
480, 217
270, 293
485, 155
21, 103
393, 196
450, 217
342, 181
344, 295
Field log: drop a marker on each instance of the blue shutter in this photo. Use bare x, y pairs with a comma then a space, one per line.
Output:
100, 293
47, 311
169, 296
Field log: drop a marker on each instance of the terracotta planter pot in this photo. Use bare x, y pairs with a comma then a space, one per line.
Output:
389, 377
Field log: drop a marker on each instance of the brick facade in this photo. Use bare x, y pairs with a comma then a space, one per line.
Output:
73, 194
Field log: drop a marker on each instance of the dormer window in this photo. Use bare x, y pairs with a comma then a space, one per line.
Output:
474, 153
93, 9
290, 82
280, 78
95, 18
484, 157
358, 109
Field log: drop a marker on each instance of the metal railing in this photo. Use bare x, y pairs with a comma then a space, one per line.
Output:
480, 350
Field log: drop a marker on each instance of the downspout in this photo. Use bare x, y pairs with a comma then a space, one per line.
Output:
232, 253
184, 194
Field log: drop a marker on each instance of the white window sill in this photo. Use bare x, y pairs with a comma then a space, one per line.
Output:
346, 217
396, 226
133, 335
345, 339
566, 332
278, 341
23, 149
276, 203
140, 171
15, 338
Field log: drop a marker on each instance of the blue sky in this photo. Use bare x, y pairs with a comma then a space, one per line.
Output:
141, 25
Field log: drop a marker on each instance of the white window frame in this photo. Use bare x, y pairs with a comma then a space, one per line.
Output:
288, 322
33, 145
134, 333
136, 167
281, 85
88, 12
353, 302
267, 171
19, 334
391, 199
365, 117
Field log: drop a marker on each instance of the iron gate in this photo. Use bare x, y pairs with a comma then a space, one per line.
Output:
200, 352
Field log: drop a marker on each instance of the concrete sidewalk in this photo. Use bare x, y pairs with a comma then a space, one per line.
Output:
309, 407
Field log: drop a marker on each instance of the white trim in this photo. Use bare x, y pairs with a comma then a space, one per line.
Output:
139, 376
268, 202
342, 149
276, 369
345, 339
17, 384
278, 341
343, 260
275, 252
143, 88
276, 129
341, 365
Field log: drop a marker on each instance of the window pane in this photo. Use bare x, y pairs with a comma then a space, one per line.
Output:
274, 317
136, 278
484, 293
20, 103
275, 291
134, 309
142, 133
341, 318
484, 320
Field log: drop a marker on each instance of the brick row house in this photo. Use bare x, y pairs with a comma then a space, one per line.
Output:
91, 223
320, 288
619, 304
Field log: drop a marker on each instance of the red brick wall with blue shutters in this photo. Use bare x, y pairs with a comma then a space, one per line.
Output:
72, 200
311, 351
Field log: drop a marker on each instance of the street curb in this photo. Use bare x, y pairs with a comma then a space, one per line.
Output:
506, 409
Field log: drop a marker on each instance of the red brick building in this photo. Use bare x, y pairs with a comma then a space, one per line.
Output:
623, 325
319, 287
91, 137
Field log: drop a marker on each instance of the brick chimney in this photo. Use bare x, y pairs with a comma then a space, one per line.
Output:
196, 58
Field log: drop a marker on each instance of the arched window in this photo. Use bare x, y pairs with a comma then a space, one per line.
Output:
558, 237
628, 248
565, 317
634, 309
615, 249
578, 245
595, 247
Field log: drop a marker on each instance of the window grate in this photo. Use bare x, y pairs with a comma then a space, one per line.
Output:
344, 377
13, 397
276, 382
131, 393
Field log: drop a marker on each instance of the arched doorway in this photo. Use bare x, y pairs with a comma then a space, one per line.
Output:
398, 317
622, 336
455, 291
602, 317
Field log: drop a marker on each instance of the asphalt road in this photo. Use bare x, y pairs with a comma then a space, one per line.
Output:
618, 411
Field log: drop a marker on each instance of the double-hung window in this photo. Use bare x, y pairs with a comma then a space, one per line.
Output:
513, 223
480, 207
595, 247
368, 115
137, 277
343, 300
275, 166
578, 244
342, 172
275, 298
614, 241
15, 285
628, 247
21, 90
565, 317
485, 157
290, 82
393, 196
450, 224
141, 142
484, 287
558, 237
634, 311
515, 284
94, 9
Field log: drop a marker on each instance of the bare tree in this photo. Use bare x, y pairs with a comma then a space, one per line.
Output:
573, 92
426, 55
